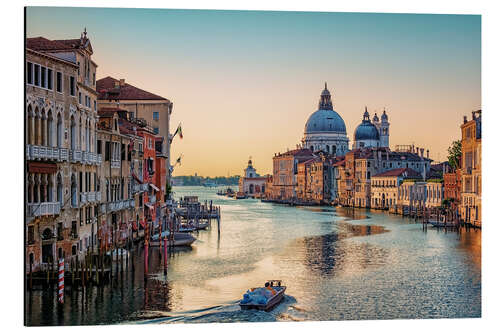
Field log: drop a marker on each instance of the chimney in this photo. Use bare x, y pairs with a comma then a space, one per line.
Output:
422, 152
427, 153
465, 119
122, 82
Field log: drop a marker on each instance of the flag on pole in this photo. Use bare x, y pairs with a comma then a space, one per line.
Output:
178, 130
178, 160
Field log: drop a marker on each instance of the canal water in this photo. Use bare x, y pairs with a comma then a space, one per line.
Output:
337, 264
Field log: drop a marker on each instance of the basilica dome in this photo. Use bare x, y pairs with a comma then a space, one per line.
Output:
325, 119
325, 128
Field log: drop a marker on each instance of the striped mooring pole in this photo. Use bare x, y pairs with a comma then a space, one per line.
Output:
60, 291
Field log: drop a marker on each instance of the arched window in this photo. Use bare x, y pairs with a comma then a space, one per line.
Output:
37, 135
50, 129
73, 191
59, 189
59, 131
30, 125
73, 133
334, 149
328, 149
107, 190
80, 134
312, 148
49, 188
43, 128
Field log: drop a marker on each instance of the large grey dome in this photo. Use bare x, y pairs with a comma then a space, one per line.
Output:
366, 131
325, 121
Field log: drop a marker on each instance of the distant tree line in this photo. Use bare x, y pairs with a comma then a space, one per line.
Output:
198, 180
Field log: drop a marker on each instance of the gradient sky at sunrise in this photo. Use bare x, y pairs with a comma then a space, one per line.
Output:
244, 83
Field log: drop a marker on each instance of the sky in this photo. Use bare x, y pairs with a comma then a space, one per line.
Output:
243, 83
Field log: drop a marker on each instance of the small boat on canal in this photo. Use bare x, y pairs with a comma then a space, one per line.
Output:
240, 195
263, 298
442, 223
180, 239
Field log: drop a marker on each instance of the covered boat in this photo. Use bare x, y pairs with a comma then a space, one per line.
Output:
264, 298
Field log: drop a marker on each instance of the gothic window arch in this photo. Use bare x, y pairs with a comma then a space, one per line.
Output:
73, 133
59, 131
73, 191
59, 189
50, 129
30, 125
37, 133
43, 128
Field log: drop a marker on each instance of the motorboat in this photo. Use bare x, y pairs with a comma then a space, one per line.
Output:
264, 298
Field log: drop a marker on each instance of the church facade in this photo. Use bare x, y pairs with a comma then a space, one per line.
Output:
252, 184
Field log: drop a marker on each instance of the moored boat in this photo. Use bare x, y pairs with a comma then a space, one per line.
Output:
240, 195
263, 298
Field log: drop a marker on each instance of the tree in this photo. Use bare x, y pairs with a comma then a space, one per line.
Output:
454, 154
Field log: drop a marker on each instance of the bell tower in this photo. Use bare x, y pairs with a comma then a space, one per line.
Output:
384, 130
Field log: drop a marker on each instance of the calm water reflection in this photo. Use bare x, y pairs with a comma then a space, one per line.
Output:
337, 264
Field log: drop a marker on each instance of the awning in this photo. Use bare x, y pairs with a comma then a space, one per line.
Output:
143, 223
134, 226
42, 167
154, 187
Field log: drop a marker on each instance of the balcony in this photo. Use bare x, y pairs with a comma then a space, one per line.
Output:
119, 205
83, 198
92, 197
115, 164
140, 188
46, 153
76, 156
91, 158
44, 209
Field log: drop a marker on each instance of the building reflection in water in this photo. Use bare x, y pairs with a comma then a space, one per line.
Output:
330, 256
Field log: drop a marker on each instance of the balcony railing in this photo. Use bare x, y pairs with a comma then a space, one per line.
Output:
85, 157
115, 164
46, 153
44, 208
76, 156
83, 198
140, 188
118, 205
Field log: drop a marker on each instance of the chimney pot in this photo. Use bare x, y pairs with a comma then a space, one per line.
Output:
122, 82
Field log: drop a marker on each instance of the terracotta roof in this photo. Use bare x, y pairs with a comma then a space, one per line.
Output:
298, 152
44, 44
110, 88
410, 173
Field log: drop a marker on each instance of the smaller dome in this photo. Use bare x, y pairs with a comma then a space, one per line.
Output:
366, 130
375, 118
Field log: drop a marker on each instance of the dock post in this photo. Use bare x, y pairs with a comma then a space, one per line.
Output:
165, 255
146, 255
48, 268
72, 273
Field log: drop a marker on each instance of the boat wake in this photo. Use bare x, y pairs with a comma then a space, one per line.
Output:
229, 312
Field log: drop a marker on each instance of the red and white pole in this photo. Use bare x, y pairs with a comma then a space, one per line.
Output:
60, 291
